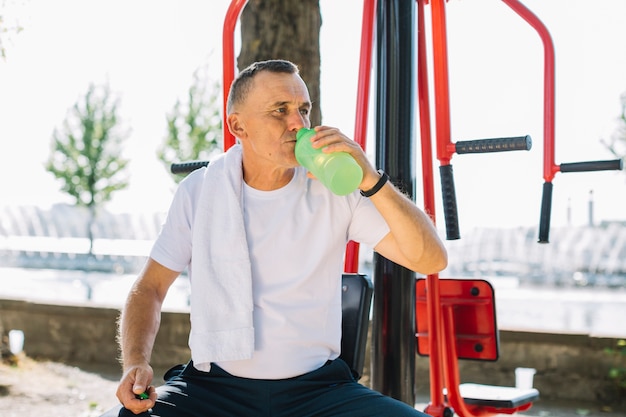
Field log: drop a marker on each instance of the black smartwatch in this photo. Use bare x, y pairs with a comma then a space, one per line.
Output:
382, 181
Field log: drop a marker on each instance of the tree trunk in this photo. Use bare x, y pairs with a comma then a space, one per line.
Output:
285, 29
90, 225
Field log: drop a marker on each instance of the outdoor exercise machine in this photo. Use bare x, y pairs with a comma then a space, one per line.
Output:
441, 331
455, 317
550, 168
460, 314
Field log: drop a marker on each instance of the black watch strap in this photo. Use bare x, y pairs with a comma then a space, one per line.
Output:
382, 181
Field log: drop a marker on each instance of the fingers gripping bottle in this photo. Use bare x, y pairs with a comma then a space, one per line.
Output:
338, 171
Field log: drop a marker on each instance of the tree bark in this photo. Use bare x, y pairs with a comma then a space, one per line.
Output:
285, 29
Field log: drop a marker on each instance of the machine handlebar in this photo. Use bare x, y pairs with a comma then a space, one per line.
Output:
187, 167
613, 164
517, 143
448, 195
546, 208
546, 199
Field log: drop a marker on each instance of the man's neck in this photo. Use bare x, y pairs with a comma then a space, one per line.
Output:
266, 179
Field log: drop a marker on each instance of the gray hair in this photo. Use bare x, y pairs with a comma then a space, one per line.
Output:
240, 86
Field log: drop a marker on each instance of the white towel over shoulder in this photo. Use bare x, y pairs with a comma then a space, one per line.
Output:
221, 283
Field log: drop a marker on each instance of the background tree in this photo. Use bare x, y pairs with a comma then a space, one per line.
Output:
86, 152
617, 144
285, 29
270, 29
6, 29
195, 132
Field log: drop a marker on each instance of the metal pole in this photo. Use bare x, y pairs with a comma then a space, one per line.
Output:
393, 329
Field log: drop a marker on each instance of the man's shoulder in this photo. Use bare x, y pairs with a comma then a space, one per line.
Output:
194, 178
189, 188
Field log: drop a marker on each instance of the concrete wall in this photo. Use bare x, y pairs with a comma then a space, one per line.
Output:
568, 366
85, 335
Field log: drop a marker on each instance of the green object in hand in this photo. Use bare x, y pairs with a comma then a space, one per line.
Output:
338, 171
142, 396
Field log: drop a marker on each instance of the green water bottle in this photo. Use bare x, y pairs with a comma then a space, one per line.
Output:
338, 171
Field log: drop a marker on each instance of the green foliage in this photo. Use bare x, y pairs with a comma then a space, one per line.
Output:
85, 154
6, 29
617, 372
194, 128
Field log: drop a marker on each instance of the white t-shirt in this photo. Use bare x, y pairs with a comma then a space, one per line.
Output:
296, 239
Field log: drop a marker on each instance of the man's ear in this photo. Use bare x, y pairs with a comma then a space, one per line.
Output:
235, 125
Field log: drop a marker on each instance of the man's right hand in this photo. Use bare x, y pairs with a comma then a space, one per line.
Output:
135, 381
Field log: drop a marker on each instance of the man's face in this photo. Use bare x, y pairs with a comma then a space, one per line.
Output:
266, 123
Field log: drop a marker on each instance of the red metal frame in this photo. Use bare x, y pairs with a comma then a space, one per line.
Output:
351, 263
437, 405
468, 320
550, 168
452, 375
445, 147
444, 369
228, 62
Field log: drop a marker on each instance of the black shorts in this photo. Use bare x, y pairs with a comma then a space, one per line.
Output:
328, 391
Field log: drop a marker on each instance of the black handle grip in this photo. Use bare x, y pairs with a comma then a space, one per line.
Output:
448, 195
613, 164
546, 208
517, 143
187, 167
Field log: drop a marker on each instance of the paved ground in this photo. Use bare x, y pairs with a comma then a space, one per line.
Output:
37, 389
31, 388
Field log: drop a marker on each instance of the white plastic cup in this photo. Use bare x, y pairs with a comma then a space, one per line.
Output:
16, 341
524, 377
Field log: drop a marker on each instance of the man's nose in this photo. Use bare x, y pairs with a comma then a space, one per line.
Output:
297, 122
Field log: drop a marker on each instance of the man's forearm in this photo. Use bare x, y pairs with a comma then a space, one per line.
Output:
138, 327
414, 234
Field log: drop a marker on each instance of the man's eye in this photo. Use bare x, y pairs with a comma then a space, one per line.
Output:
305, 112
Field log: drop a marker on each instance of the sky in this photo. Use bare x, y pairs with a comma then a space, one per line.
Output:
147, 51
